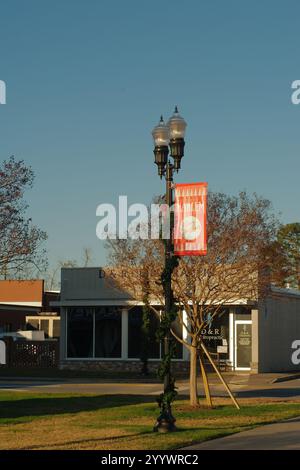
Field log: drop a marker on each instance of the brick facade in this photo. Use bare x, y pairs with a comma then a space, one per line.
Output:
179, 367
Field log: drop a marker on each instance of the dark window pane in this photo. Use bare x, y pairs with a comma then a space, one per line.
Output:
135, 338
108, 334
135, 321
80, 332
154, 350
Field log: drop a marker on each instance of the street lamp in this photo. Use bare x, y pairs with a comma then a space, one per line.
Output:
167, 137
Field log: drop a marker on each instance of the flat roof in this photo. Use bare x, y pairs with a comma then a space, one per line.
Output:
22, 292
285, 291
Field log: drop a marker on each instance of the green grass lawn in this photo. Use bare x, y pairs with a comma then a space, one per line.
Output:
73, 421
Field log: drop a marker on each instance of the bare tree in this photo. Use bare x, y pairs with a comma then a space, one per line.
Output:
87, 257
52, 275
237, 266
21, 242
288, 239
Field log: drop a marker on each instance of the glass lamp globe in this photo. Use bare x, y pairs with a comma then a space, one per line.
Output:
160, 134
176, 125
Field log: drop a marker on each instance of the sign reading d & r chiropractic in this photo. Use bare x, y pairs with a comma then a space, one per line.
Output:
211, 333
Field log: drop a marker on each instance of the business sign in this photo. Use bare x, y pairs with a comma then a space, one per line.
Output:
190, 219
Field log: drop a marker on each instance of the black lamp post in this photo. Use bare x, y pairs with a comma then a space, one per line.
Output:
170, 136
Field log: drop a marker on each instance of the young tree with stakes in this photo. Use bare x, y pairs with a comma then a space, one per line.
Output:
239, 265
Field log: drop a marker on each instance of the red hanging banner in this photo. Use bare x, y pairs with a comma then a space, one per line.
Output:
190, 219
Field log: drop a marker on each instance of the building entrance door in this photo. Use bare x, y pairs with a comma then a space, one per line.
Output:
243, 344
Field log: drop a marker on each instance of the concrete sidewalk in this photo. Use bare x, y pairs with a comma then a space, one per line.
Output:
278, 436
230, 377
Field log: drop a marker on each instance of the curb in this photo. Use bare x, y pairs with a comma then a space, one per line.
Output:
286, 378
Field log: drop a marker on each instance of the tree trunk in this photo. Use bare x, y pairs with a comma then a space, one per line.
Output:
193, 377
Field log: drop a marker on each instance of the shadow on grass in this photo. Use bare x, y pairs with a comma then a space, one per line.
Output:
91, 440
208, 434
54, 405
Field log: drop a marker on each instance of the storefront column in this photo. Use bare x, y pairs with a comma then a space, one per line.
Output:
254, 362
124, 333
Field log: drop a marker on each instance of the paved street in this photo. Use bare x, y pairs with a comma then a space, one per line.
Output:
243, 386
278, 436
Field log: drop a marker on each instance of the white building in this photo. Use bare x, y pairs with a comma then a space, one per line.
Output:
101, 328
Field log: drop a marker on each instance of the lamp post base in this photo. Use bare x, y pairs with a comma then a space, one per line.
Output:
165, 423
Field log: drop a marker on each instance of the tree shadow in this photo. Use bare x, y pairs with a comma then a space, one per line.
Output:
222, 431
90, 440
54, 405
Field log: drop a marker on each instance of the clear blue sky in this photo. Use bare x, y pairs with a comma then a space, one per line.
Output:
87, 81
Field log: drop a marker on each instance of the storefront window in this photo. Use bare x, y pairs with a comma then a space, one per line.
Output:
216, 332
108, 328
80, 332
97, 333
154, 350
135, 323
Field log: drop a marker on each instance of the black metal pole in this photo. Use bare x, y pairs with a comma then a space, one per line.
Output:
168, 138
168, 255
166, 421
